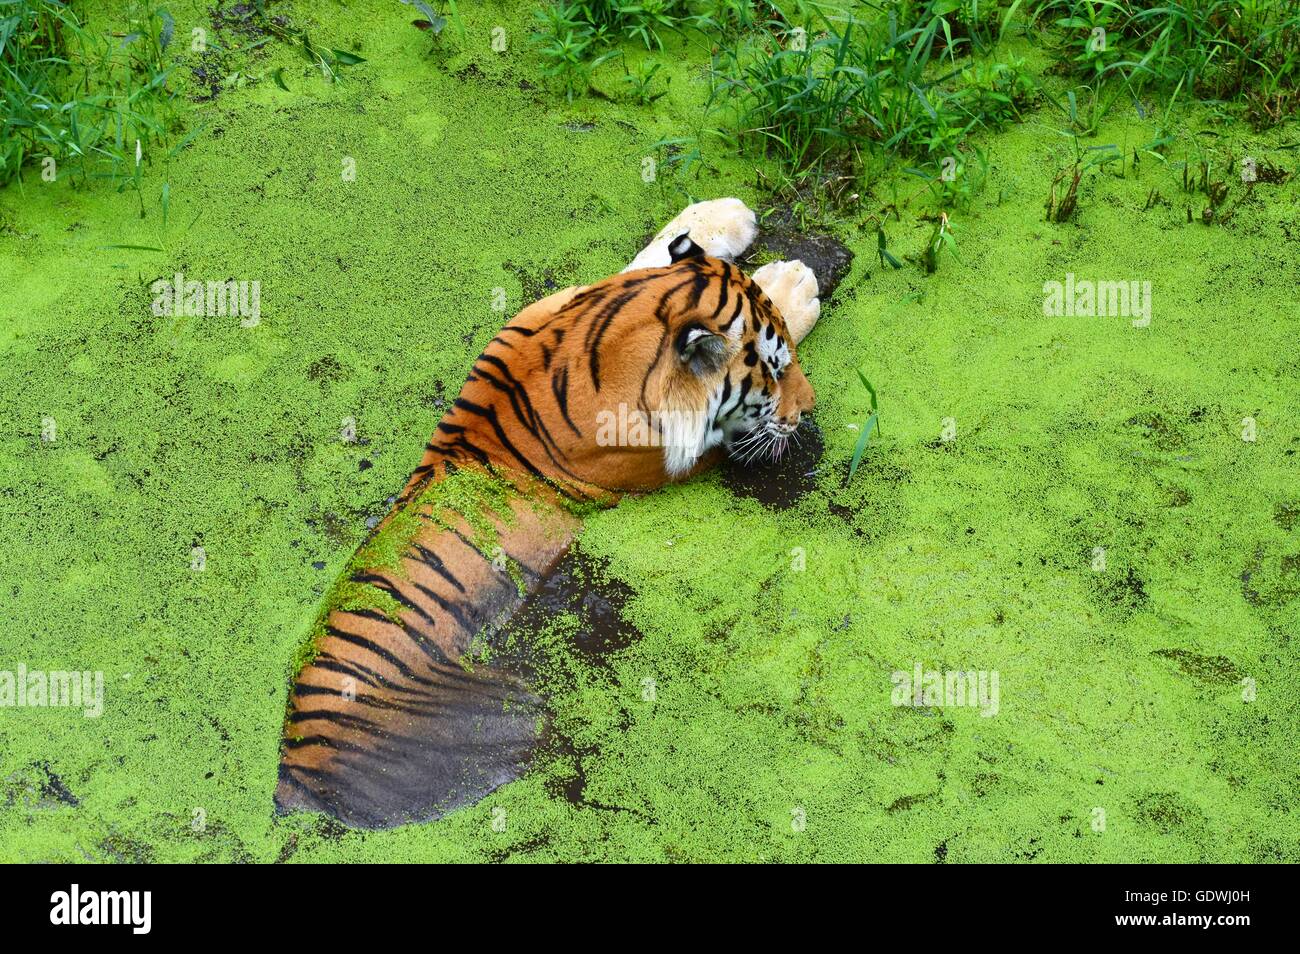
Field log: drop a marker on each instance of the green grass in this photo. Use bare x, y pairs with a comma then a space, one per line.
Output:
575, 37
872, 422
918, 81
1242, 51
95, 102
78, 98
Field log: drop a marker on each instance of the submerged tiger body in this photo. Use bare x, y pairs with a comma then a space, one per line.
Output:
394, 719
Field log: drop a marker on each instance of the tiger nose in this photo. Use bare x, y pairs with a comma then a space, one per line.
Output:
804, 398
791, 418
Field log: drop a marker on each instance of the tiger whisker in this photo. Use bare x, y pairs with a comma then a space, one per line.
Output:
747, 440
764, 447
756, 448
762, 442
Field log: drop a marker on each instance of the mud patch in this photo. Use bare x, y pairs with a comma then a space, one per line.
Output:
1126, 593
828, 257
1160, 431
238, 26
908, 801
1271, 581
583, 588
1286, 516
1207, 669
1167, 812
326, 370
535, 287
782, 483
126, 850
40, 787
567, 778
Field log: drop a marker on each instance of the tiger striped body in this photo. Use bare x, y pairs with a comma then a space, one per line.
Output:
396, 718
392, 721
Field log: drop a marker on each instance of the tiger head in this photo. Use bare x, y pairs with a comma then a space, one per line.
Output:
633, 382
733, 367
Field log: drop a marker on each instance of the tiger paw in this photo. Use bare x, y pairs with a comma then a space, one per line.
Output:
792, 286
724, 228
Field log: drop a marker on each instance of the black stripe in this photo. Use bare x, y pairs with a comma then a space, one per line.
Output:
384, 584
522, 405
473, 450
560, 388
355, 670
373, 647
435, 563
516, 387
598, 329
470, 544
490, 415
740, 306
724, 295
451, 609
425, 705
699, 284
346, 719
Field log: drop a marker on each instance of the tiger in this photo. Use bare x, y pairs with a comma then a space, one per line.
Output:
392, 717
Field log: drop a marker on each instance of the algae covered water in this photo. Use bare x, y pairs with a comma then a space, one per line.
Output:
1083, 497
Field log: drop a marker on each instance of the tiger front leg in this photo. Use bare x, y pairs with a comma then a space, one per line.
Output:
724, 228
793, 288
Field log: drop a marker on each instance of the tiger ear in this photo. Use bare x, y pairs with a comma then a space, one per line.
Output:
683, 247
701, 350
